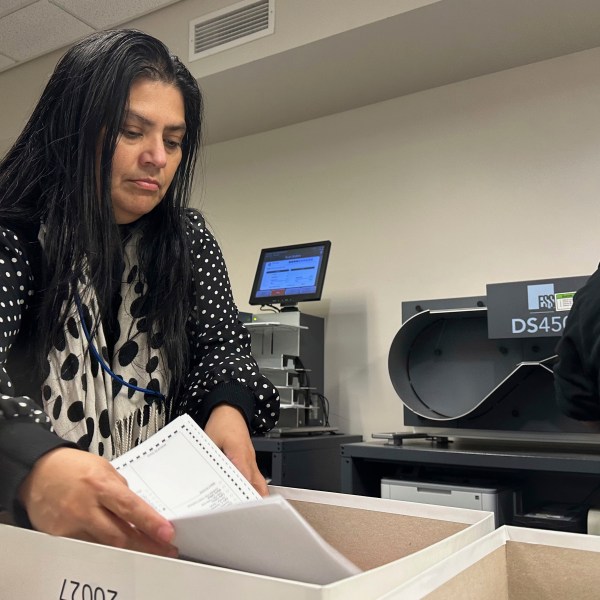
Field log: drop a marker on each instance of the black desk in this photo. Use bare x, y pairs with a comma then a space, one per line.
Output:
310, 462
544, 474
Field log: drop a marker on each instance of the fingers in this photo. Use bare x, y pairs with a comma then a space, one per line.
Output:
245, 463
130, 508
108, 529
259, 483
228, 430
76, 494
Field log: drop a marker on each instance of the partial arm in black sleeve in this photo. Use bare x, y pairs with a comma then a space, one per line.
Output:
577, 371
24, 429
223, 369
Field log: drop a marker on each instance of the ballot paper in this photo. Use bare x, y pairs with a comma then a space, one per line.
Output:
219, 518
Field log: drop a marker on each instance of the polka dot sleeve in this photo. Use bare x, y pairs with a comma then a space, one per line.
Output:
16, 284
222, 365
24, 429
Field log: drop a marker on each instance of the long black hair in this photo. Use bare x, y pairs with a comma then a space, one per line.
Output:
59, 173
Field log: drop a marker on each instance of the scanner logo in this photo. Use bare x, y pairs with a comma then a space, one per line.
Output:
541, 297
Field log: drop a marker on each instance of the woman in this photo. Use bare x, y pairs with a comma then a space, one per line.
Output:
115, 307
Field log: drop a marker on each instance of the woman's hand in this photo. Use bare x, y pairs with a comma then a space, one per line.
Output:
79, 495
227, 428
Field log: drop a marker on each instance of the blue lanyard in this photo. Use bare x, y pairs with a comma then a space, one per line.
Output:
104, 366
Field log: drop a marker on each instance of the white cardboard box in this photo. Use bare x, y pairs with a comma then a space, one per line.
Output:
513, 563
391, 540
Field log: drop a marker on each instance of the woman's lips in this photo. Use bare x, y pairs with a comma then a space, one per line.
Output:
147, 184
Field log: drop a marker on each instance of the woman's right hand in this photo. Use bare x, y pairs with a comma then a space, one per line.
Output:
75, 494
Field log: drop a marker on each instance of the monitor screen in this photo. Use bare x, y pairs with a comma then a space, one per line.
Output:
290, 274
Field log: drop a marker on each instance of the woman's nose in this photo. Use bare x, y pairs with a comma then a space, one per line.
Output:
155, 153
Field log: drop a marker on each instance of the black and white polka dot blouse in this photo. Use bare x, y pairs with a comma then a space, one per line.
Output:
222, 368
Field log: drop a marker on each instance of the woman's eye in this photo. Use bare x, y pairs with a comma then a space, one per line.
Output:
172, 144
130, 133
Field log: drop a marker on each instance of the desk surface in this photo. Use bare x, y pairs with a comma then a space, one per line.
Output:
472, 454
297, 443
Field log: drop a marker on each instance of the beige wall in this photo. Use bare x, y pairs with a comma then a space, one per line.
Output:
426, 196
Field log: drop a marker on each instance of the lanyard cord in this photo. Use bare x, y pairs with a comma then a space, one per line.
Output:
104, 366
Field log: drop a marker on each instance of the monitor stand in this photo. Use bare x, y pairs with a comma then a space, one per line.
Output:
307, 430
293, 307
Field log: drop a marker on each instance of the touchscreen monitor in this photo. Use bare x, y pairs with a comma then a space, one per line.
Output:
287, 275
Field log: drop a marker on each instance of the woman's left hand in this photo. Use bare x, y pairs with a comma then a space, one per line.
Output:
227, 428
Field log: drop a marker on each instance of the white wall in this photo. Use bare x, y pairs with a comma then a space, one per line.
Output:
426, 196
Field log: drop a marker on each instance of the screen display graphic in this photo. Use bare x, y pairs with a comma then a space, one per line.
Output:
290, 274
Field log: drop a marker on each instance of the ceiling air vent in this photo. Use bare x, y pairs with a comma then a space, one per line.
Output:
231, 26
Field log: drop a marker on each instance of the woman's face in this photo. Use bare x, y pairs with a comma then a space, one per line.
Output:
148, 149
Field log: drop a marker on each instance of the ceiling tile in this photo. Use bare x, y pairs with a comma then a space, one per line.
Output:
37, 29
8, 6
5, 62
110, 12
